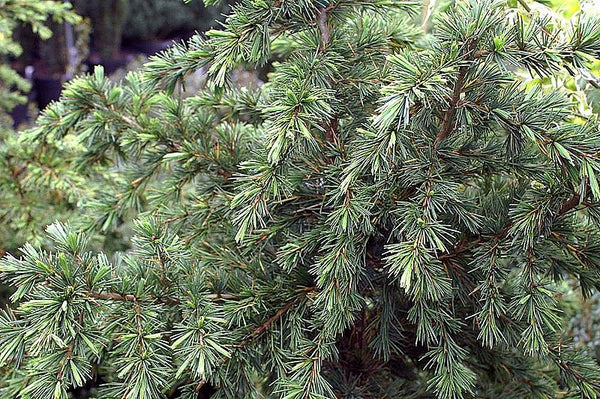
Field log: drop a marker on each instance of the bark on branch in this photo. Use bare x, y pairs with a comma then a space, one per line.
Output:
449, 118
567, 206
283, 310
324, 28
449, 121
113, 296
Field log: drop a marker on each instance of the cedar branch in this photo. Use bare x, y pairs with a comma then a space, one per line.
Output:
113, 296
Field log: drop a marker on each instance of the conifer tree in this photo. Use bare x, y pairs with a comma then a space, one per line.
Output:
392, 214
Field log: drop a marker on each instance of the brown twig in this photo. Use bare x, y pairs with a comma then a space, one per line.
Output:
448, 121
331, 126
325, 31
570, 204
567, 206
525, 5
283, 310
113, 296
265, 326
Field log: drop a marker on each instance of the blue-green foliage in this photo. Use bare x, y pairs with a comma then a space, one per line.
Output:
392, 214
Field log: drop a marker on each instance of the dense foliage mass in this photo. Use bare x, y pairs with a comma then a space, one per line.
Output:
392, 214
27, 196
